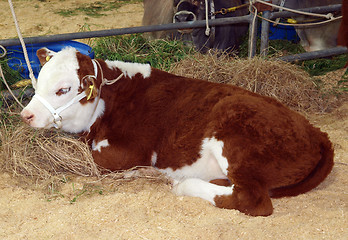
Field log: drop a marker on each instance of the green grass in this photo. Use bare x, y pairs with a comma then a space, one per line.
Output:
321, 66
10, 75
275, 47
314, 67
71, 193
135, 48
95, 9
343, 84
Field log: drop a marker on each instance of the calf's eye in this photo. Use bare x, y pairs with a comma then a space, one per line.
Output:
62, 91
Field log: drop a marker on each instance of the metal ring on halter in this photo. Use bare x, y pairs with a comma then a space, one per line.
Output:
57, 122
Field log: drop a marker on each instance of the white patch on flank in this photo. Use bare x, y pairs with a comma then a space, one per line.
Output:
99, 145
195, 187
211, 165
153, 159
214, 147
131, 69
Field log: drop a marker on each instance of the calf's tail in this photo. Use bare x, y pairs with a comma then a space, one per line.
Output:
319, 173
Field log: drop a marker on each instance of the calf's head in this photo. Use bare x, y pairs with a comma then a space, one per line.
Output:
64, 93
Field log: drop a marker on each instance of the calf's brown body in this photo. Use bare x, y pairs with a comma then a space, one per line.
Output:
202, 134
271, 150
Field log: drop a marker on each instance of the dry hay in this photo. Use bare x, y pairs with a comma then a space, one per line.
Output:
283, 81
41, 154
47, 156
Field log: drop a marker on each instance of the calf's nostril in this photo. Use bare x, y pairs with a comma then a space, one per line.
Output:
27, 117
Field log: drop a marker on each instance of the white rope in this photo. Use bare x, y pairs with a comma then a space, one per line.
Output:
104, 80
301, 24
207, 28
4, 51
327, 16
31, 74
252, 27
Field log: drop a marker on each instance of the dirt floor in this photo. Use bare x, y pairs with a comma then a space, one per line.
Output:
147, 209
39, 17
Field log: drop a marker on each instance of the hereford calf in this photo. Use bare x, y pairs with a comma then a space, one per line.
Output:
199, 133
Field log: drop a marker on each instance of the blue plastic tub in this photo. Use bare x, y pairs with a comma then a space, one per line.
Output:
283, 33
17, 61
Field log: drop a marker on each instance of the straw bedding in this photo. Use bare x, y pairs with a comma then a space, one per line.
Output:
284, 81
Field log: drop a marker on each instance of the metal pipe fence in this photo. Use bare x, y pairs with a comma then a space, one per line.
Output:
197, 24
131, 30
302, 56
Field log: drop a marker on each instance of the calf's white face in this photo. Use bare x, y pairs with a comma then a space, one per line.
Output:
58, 83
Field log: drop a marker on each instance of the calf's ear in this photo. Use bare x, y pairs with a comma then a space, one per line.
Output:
90, 88
44, 55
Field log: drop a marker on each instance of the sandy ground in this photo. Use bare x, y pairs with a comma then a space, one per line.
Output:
38, 17
147, 209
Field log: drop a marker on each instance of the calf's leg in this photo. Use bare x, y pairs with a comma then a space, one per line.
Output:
252, 200
196, 187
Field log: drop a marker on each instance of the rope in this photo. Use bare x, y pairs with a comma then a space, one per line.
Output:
207, 28
104, 80
253, 27
31, 74
4, 51
327, 16
300, 24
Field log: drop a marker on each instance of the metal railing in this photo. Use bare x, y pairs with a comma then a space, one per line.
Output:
302, 56
200, 24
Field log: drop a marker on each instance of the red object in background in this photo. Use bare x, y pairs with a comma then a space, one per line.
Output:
343, 32
342, 38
